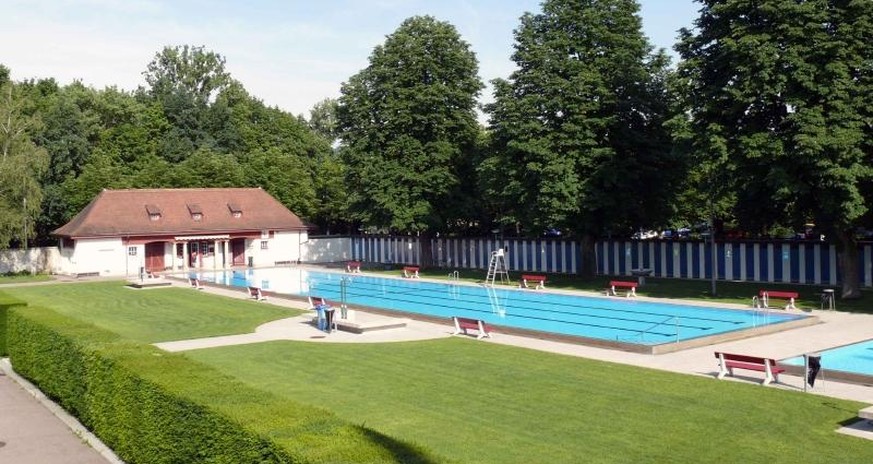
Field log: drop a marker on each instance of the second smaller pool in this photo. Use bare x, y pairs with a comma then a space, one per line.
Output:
851, 362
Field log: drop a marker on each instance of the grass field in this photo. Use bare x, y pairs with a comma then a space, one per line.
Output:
151, 315
25, 278
479, 402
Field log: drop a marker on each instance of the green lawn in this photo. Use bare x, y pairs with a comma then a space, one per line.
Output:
151, 315
480, 402
24, 278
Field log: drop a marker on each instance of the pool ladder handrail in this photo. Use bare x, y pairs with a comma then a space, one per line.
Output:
455, 275
642, 333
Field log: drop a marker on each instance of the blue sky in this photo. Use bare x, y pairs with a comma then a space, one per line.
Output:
290, 54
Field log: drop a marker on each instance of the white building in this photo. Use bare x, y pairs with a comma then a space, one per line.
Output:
125, 232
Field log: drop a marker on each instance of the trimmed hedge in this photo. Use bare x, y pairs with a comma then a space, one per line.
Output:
155, 407
6, 302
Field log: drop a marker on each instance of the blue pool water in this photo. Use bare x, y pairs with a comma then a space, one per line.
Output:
612, 319
856, 359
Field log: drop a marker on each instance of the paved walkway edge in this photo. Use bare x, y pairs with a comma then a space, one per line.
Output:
75, 426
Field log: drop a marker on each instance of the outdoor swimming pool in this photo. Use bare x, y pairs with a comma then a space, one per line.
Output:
617, 320
855, 360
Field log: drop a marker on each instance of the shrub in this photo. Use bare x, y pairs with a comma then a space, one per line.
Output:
156, 407
6, 302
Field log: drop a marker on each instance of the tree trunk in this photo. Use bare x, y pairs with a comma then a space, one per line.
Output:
588, 266
849, 264
425, 250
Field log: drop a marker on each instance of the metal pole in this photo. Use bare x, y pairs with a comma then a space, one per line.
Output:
24, 238
713, 255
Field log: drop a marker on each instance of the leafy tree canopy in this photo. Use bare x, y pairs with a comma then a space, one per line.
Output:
406, 122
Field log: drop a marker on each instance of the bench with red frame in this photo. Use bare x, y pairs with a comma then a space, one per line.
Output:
462, 324
410, 272
255, 293
764, 297
727, 362
528, 279
630, 287
353, 267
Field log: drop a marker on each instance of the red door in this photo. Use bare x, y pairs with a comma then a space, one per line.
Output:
154, 256
238, 249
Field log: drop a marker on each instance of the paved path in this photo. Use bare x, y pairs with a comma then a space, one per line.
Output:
33, 430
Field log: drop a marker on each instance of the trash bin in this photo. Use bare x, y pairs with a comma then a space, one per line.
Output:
321, 310
328, 317
813, 367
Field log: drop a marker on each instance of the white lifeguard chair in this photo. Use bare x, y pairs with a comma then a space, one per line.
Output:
497, 266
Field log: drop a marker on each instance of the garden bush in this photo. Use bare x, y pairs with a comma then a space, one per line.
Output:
6, 302
150, 406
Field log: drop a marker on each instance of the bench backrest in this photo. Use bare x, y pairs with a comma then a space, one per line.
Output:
533, 277
745, 358
621, 283
466, 323
777, 294
410, 268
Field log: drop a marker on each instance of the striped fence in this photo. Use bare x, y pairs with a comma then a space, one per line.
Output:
778, 261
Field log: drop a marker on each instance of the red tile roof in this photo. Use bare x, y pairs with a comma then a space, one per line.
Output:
116, 213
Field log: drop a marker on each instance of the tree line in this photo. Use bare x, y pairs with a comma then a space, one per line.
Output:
763, 125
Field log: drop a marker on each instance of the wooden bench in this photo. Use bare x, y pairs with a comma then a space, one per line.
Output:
195, 283
528, 279
727, 362
764, 297
462, 324
353, 267
629, 287
256, 294
410, 272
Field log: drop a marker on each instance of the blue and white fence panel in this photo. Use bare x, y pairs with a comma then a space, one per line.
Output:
777, 262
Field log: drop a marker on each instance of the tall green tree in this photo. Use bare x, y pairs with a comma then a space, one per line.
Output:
779, 103
577, 130
186, 80
406, 122
22, 163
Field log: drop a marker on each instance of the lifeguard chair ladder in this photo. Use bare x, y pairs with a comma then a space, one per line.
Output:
497, 266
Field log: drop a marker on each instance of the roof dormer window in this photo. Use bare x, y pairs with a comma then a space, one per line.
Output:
154, 212
196, 211
235, 210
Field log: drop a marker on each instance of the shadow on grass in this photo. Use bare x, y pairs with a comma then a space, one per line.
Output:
402, 452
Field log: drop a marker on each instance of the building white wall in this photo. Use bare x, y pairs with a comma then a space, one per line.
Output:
106, 256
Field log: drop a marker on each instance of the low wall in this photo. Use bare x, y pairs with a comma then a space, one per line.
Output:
44, 260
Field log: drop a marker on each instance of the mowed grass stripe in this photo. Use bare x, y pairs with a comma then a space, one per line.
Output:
152, 315
480, 402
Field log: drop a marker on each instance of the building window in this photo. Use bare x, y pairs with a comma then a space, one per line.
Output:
235, 210
154, 212
197, 216
131, 251
264, 244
